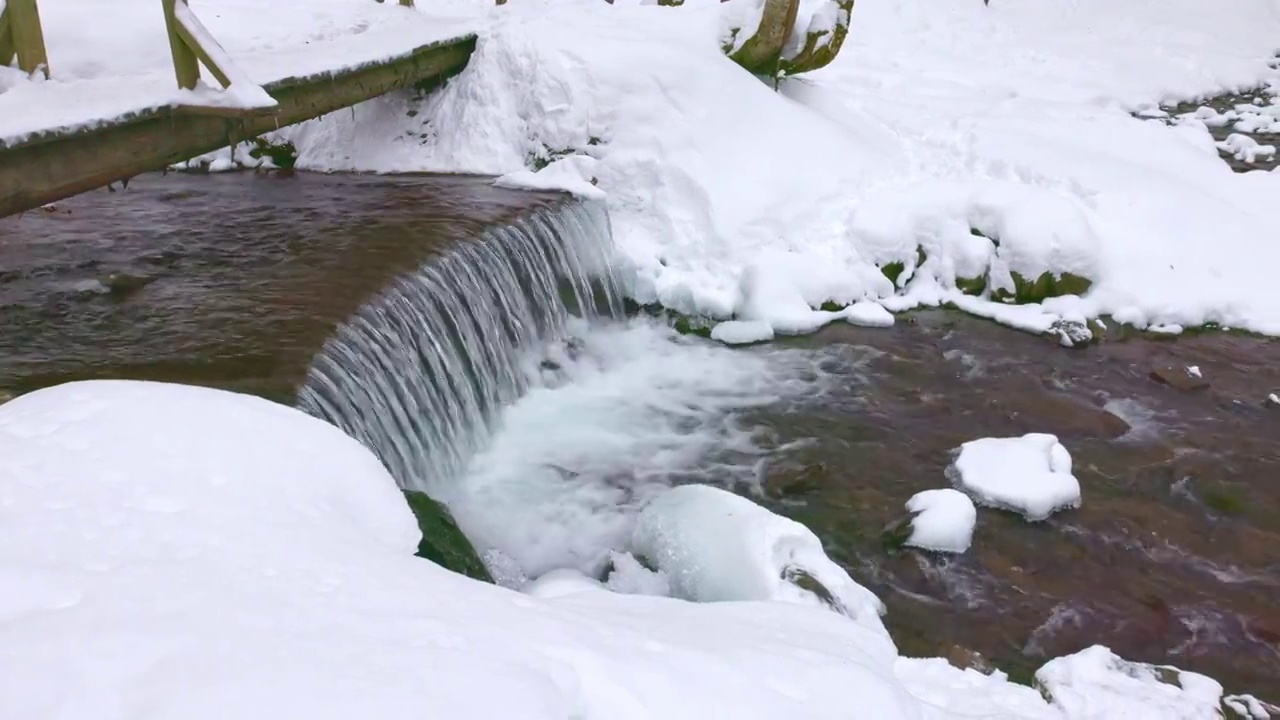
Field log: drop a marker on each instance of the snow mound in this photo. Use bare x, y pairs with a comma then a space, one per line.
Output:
188, 553
944, 520
1096, 683
716, 546
1030, 475
742, 332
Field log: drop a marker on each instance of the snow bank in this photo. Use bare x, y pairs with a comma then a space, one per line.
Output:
944, 520
188, 553
934, 122
1096, 683
1030, 475
716, 546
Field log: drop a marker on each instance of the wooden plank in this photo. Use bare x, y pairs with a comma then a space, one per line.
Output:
186, 67
55, 166
26, 35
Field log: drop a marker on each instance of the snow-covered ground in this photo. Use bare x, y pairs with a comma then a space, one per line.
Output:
937, 120
178, 552
111, 60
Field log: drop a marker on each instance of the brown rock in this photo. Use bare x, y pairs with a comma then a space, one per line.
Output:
1178, 376
965, 658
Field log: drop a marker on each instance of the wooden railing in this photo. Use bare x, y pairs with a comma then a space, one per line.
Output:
190, 43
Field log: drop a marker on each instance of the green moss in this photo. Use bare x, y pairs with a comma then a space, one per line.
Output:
896, 534
692, 326
1046, 286
442, 541
1225, 501
1020, 669
284, 155
972, 286
830, 306
893, 271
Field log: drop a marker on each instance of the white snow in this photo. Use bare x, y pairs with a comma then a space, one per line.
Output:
1243, 147
742, 332
1030, 475
1194, 371
944, 520
1011, 119
1273, 398
715, 546
1096, 683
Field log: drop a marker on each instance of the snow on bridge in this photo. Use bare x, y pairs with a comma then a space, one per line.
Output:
111, 105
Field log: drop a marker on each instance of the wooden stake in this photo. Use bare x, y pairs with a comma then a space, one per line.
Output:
186, 67
7, 49
25, 37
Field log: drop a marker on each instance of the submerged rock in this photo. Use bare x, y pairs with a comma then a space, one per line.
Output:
442, 541
1179, 377
1071, 333
121, 284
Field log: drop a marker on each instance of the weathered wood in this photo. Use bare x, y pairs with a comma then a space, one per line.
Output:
53, 166
7, 49
26, 36
186, 66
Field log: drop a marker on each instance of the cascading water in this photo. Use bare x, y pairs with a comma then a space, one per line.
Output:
420, 373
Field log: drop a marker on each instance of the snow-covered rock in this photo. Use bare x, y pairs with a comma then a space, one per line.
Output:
1095, 682
1030, 475
943, 520
742, 332
716, 546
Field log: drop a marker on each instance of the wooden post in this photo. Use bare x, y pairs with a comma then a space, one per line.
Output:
185, 64
20, 35
7, 49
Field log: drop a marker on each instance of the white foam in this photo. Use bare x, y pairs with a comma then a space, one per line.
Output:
636, 407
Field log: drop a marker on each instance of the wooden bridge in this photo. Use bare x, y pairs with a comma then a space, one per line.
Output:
48, 164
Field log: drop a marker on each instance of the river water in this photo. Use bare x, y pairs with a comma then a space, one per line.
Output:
238, 281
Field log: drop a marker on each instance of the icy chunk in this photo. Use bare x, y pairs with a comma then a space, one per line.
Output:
1030, 475
943, 522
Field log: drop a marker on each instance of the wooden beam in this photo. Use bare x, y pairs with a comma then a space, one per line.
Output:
26, 35
54, 165
186, 67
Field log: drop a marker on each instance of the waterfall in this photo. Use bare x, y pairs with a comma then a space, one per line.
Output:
421, 372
